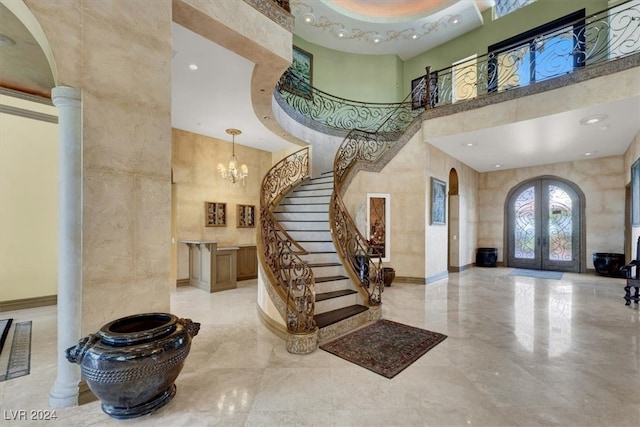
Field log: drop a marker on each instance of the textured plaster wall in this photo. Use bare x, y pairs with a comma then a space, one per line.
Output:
196, 180
602, 182
118, 53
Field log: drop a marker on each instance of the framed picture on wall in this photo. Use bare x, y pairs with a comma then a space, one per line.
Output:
379, 224
635, 193
215, 214
246, 216
438, 201
299, 79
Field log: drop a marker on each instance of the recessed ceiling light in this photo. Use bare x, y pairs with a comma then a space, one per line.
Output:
308, 18
415, 37
592, 120
497, 166
455, 20
342, 33
470, 144
590, 153
377, 38
193, 67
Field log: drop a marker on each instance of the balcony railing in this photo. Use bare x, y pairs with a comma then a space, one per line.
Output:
580, 44
584, 42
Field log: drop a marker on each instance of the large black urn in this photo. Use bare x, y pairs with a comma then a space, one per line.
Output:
608, 264
132, 362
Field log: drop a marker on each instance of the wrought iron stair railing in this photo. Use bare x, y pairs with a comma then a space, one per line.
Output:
291, 277
365, 147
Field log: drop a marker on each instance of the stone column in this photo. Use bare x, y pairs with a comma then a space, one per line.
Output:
68, 101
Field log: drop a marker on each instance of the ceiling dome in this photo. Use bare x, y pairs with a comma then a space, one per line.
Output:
387, 11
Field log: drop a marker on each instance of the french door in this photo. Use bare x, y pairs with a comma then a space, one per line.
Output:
544, 225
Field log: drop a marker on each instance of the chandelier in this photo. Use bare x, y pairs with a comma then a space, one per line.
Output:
232, 173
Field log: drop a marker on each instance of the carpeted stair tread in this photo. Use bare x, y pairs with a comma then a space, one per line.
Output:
334, 316
334, 294
329, 279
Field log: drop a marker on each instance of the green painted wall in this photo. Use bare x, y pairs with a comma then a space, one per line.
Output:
366, 78
493, 31
386, 78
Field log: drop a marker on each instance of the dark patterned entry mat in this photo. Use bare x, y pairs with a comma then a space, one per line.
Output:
5, 324
20, 355
384, 347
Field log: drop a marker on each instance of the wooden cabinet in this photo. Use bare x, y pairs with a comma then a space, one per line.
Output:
211, 268
247, 263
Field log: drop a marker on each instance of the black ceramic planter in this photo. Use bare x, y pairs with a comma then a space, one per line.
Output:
131, 363
608, 264
388, 274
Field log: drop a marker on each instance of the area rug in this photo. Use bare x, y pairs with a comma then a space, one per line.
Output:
20, 355
384, 347
539, 274
5, 324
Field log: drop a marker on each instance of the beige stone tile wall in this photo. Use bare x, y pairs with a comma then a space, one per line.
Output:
601, 181
118, 53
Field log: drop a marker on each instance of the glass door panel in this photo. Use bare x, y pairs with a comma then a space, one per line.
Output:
544, 226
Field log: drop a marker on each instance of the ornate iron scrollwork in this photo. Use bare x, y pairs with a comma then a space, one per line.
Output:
292, 278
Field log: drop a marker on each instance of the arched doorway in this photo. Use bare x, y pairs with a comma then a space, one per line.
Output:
453, 256
545, 217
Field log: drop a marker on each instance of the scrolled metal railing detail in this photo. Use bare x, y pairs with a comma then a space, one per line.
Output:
330, 110
605, 36
368, 147
291, 277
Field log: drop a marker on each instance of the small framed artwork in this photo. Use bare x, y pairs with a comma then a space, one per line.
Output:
635, 193
246, 216
215, 214
300, 80
438, 201
379, 224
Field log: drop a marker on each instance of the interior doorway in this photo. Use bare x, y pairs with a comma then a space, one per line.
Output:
544, 225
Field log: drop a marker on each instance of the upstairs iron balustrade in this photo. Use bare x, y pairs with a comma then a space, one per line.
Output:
582, 43
328, 112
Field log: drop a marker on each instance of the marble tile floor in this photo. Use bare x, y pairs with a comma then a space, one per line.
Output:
520, 351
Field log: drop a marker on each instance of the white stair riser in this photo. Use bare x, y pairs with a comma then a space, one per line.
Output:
328, 179
303, 208
309, 235
318, 186
321, 258
333, 270
335, 303
302, 216
293, 226
334, 285
318, 246
308, 192
320, 200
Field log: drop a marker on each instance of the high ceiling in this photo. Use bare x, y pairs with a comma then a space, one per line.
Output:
403, 27
216, 96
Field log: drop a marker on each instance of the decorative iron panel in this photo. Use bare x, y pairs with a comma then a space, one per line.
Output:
525, 224
560, 225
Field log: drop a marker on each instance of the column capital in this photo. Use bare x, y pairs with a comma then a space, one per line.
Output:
65, 96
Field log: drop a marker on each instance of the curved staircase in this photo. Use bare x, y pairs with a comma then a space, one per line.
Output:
304, 215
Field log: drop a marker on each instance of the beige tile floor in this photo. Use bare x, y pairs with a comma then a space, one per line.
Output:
520, 352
